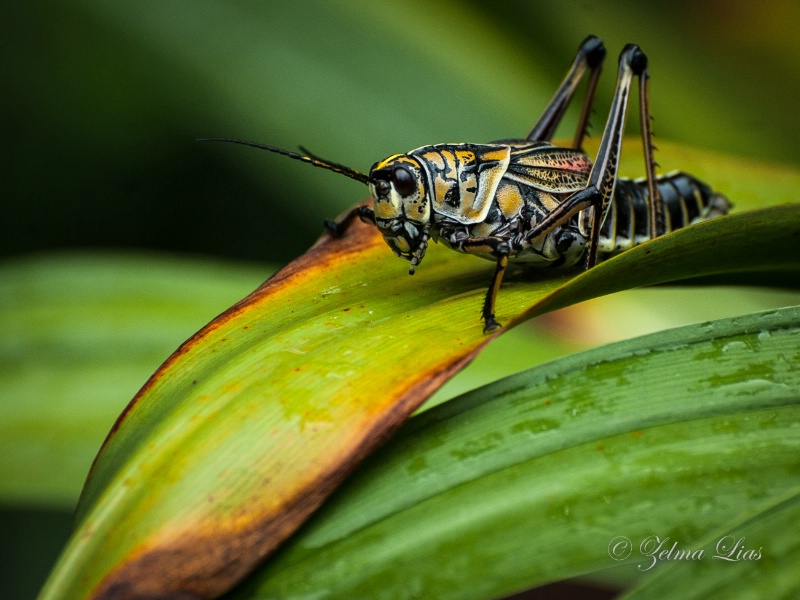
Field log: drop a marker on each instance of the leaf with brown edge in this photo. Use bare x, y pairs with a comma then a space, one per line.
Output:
252, 423
193, 507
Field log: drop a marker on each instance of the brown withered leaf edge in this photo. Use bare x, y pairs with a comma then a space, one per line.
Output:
195, 565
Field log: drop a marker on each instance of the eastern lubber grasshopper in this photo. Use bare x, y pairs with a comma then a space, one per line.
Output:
528, 200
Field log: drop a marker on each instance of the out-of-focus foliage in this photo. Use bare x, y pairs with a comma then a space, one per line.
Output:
80, 335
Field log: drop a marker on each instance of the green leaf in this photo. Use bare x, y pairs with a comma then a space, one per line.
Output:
529, 479
253, 422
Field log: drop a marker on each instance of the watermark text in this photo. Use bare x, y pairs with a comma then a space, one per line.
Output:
654, 549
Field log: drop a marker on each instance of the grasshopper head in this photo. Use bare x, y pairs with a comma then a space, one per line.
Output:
402, 209
397, 184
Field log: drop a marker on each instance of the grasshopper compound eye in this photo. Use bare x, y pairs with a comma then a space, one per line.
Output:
403, 181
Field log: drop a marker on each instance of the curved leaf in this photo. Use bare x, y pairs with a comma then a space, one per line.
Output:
253, 422
529, 479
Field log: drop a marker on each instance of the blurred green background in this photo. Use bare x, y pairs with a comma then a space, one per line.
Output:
102, 102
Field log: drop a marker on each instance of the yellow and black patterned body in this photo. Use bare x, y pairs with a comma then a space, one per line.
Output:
460, 193
528, 200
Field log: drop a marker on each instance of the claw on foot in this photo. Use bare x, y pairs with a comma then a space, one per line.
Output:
491, 325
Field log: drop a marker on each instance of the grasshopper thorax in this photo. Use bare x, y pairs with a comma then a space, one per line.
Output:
402, 208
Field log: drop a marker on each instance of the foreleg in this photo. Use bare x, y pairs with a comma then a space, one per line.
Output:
500, 249
337, 228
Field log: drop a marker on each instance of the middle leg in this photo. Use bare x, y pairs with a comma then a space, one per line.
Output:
499, 248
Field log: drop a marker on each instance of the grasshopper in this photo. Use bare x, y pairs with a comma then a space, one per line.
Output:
527, 200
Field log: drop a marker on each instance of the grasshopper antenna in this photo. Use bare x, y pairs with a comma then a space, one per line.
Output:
311, 158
